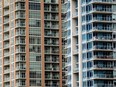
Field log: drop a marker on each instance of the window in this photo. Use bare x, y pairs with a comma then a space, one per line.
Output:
34, 6
34, 23
34, 14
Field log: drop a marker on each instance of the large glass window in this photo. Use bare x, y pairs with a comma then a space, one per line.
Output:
34, 14
34, 23
34, 6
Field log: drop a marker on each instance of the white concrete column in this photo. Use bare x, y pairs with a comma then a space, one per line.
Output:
80, 42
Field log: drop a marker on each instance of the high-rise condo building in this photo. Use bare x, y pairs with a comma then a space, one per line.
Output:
90, 27
31, 43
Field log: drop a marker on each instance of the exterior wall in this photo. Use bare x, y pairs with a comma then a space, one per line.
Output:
92, 25
31, 38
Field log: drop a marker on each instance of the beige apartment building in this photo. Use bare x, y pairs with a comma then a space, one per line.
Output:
31, 43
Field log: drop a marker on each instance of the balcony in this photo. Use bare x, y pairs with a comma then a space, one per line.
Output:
6, 20
20, 15
102, 9
51, 34
19, 0
20, 41
6, 3
102, 29
55, 18
6, 46
102, 19
21, 76
54, 9
21, 67
20, 58
103, 57
20, 6
47, 17
51, 44
20, 83
103, 76
102, 47
51, 52
7, 85
103, 1
103, 85
51, 69
51, 10
21, 24
7, 70
6, 54
6, 29
75, 51
52, 77
6, 62
52, 85
102, 38
51, 27
20, 32
51, 1
51, 60
20, 49
6, 12
6, 79
103, 66
76, 70
55, 51
6, 37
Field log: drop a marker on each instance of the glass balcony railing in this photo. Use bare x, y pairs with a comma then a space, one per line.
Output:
6, 29
20, 7
6, 45
51, 68
6, 20
20, 67
6, 62
20, 49
51, 34
6, 37
20, 41
20, 84
103, 47
6, 12
20, 76
20, 0
7, 85
102, 28
7, 79
20, 15
7, 70
6, 53
52, 85
102, 38
102, 19
51, 60
102, 10
20, 24
51, 1
53, 9
103, 85
103, 56
19, 58
104, 1
101, 66
103, 76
